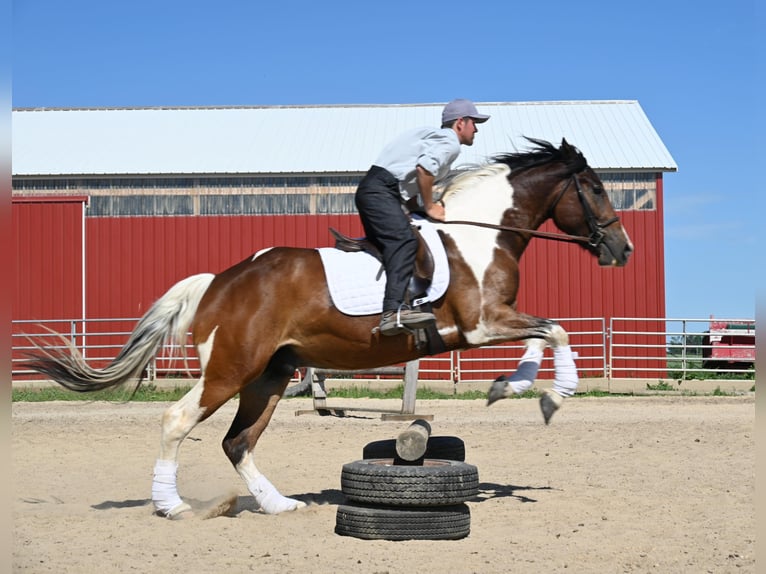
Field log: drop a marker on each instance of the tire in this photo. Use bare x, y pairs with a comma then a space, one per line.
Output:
436, 483
381, 523
442, 447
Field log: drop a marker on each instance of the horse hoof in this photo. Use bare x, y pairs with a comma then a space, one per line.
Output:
497, 390
179, 512
283, 505
550, 402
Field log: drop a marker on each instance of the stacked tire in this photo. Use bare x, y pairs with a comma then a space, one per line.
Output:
421, 500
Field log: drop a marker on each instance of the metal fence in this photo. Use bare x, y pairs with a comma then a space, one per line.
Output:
620, 348
675, 349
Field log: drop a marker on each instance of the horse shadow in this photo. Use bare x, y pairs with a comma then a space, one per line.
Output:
490, 490
110, 504
328, 497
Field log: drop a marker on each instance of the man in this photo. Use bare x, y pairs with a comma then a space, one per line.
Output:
407, 169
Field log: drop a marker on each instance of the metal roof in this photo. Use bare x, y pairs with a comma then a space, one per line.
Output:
310, 139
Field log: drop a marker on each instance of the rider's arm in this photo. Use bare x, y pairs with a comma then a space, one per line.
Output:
426, 186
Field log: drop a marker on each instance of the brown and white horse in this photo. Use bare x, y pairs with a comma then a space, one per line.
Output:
255, 323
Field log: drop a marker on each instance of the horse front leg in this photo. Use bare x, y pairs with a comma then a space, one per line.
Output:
257, 403
565, 372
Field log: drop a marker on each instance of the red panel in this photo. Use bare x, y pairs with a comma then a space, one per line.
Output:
562, 280
133, 260
47, 239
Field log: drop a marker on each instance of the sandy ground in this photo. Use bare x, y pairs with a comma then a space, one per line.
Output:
649, 484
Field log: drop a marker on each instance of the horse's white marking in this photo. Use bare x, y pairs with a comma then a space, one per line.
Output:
444, 331
205, 348
179, 419
480, 335
477, 245
481, 196
261, 252
558, 337
627, 239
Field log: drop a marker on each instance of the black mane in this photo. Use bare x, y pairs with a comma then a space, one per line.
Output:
544, 153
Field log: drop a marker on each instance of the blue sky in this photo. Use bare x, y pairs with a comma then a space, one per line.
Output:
693, 66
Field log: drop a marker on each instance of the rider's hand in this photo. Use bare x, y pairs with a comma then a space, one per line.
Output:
435, 211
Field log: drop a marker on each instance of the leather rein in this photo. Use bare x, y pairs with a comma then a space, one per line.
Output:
595, 239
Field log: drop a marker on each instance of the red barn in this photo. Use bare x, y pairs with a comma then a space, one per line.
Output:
112, 206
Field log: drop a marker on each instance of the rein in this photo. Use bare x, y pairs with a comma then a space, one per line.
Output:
597, 229
532, 232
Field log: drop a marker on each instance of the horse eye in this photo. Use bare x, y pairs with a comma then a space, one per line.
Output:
598, 189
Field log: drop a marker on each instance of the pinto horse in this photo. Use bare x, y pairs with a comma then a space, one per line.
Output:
255, 323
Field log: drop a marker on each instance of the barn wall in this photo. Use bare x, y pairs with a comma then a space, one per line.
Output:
131, 261
564, 280
47, 248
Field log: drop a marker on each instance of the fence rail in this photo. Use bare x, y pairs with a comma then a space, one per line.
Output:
620, 348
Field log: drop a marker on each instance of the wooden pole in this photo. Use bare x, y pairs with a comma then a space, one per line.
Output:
412, 443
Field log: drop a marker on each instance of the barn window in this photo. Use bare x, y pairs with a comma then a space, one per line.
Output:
265, 194
631, 191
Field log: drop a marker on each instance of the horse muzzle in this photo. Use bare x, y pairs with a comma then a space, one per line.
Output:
614, 251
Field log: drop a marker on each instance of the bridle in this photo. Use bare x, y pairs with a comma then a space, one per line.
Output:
596, 228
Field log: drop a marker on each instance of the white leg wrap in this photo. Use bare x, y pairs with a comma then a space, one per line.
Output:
524, 377
269, 498
565, 378
164, 492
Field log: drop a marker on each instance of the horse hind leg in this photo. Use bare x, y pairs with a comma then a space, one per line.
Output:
177, 422
257, 403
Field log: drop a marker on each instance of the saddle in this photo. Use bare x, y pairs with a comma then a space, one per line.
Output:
424, 260
428, 340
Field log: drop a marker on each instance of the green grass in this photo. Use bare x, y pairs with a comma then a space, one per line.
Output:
396, 393
151, 393
145, 393
660, 386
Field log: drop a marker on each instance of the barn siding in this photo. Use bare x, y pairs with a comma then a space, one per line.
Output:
131, 261
47, 244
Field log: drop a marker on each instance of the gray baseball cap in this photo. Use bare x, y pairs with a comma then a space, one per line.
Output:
462, 108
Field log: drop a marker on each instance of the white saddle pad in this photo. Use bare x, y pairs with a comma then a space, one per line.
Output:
351, 277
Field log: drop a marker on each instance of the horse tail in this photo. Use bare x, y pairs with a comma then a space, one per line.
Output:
167, 320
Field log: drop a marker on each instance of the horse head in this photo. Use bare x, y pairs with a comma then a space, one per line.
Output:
584, 208
558, 184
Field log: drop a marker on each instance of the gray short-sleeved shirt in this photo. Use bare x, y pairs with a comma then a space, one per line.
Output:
433, 149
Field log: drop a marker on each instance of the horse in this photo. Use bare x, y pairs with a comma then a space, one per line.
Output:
258, 321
